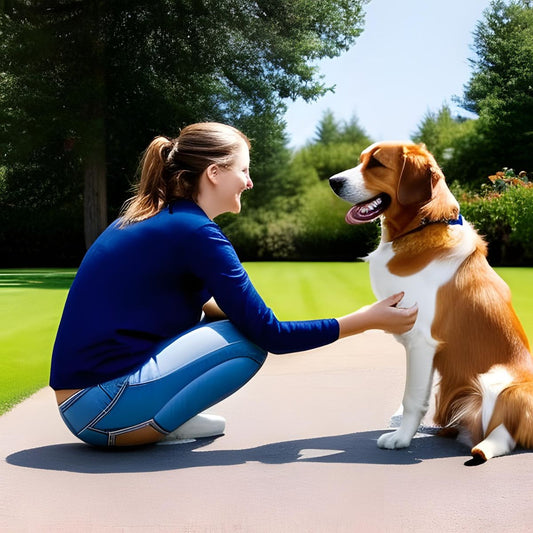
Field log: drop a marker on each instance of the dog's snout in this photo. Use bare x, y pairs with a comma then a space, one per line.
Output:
336, 183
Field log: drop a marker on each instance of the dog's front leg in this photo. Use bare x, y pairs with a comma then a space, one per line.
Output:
419, 378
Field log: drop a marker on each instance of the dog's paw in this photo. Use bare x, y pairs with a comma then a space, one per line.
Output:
394, 440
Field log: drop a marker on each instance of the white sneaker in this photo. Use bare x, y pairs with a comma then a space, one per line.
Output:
199, 426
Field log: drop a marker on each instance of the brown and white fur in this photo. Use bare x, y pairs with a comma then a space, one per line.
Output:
466, 328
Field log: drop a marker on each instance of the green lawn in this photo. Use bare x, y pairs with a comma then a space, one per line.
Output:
31, 302
30, 307
300, 291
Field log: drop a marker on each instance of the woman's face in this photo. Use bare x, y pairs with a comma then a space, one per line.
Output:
233, 180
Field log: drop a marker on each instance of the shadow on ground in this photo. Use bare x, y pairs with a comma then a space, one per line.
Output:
351, 448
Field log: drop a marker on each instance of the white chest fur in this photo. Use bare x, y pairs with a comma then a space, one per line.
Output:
421, 287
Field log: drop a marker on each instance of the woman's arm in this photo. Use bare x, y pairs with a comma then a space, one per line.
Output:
380, 315
213, 259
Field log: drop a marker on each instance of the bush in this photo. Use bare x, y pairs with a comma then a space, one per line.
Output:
266, 233
503, 214
324, 235
310, 228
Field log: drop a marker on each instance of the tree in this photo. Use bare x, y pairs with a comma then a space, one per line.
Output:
328, 129
90, 82
453, 141
437, 131
302, 219
337, 146
500, 90
456, 144
352, 132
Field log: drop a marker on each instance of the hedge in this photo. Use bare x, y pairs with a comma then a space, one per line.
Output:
505, 219
313, 228
307, 228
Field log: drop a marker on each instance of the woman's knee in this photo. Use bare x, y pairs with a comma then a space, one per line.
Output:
205, 390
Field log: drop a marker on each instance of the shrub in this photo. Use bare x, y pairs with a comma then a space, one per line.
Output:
308, 228
324, 235
503, 214
265, 233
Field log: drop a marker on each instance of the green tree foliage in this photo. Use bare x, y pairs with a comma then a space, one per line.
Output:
439, 130
328, 130
499, 92
455, 143
85, 84
305, 220
337, 145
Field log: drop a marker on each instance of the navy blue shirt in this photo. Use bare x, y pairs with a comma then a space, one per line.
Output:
142, 285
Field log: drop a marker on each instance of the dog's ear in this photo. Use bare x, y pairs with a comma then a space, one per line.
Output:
415, 185
387, 156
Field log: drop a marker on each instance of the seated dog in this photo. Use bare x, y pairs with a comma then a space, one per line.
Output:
466, 328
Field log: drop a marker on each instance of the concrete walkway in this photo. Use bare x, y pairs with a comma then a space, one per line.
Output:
299, 455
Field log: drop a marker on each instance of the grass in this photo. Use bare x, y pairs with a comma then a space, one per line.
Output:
31, 302
520, 280
301, 291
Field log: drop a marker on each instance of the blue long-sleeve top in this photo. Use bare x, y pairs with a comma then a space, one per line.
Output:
141, 285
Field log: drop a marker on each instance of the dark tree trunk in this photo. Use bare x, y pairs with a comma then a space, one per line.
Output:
95, 193
95, 167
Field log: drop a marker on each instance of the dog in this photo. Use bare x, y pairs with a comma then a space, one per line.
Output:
466, 330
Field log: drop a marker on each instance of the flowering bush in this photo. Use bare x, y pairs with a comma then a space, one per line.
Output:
503, 214
506, 178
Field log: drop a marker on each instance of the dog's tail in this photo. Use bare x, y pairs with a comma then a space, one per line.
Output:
511, 422
462, 415
494, 412
514, 409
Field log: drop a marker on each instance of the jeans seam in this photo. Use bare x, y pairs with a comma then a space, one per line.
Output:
107, 409
64, 406
112, 435
157, 427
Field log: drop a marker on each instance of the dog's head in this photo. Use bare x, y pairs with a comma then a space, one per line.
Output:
399, 181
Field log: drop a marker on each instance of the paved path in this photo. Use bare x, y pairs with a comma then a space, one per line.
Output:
299, 455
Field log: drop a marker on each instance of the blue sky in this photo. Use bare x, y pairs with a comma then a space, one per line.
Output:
411, 58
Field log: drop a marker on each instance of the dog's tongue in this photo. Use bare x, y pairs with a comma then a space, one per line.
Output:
367, 211
353, 216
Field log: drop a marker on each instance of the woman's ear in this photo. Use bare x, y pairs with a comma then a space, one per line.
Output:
212, 172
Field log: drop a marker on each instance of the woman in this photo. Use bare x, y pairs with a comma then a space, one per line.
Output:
143, 345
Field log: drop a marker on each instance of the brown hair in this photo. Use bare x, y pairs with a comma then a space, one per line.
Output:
171, 168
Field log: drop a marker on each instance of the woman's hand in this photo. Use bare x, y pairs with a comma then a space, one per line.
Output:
212, 311
380, 315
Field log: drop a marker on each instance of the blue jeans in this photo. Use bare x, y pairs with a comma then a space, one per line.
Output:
196, 370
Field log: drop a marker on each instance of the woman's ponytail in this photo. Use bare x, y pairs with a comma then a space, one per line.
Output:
151, 193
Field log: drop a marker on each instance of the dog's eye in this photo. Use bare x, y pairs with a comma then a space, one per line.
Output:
373, 162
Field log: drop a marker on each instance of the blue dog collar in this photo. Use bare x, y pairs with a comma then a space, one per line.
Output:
457, 222
424, 223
